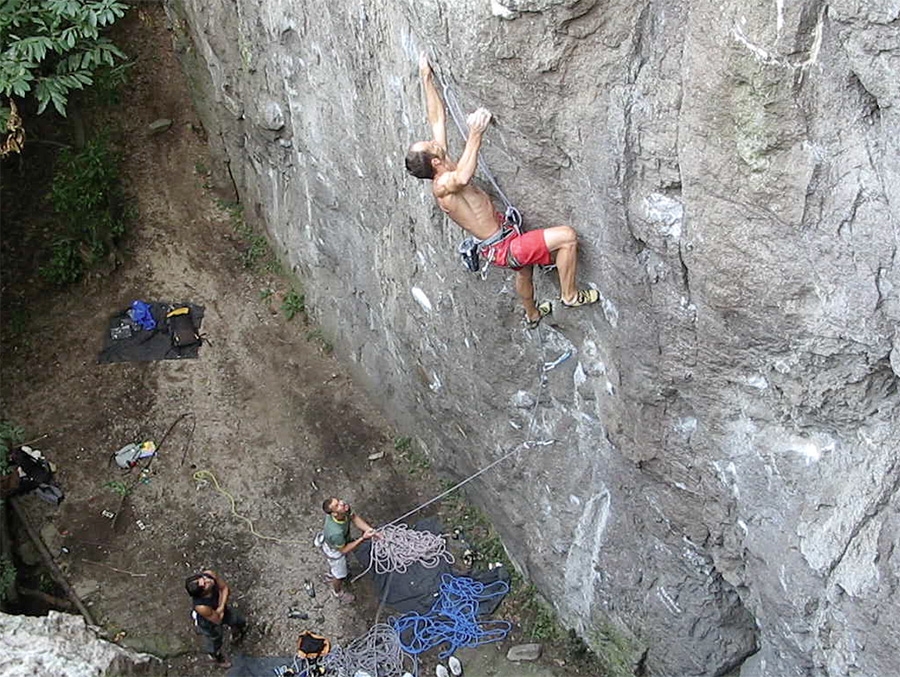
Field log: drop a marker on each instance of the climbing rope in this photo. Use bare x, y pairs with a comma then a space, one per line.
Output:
453, 618
207, 476
378, 653
397, 547
513, 216
530, 444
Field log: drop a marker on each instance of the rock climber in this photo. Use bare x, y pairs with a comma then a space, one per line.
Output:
472, 209
336, 543
211, 612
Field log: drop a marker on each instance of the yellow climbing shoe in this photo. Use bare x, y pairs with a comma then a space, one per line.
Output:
584, 297
544, 308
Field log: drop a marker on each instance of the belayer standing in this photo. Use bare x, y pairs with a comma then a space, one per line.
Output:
336, 543
211, 612
472, 209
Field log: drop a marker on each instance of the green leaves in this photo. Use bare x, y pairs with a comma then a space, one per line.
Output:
52, 47
88, 201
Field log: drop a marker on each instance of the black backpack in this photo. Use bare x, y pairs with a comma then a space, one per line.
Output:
181, 328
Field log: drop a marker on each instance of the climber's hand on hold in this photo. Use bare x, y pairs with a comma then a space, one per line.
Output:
479, 120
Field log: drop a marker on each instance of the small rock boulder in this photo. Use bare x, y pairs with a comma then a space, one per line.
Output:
524, 652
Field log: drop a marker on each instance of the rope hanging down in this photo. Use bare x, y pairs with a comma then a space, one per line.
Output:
456, 112
530, 444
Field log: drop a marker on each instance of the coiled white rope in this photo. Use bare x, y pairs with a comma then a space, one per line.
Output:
377, 653
396, 547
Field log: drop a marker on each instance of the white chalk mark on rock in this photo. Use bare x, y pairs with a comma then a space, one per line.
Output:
421, 298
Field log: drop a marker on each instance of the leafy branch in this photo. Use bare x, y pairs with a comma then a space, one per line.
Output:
53, 47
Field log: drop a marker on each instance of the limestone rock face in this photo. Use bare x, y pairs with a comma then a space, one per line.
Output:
721, 491
63, 644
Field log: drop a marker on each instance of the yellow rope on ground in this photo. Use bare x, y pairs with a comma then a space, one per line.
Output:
202, 475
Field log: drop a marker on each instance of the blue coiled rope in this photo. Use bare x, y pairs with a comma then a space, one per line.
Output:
453, 618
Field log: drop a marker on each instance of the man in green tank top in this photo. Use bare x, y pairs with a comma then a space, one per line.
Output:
336, 542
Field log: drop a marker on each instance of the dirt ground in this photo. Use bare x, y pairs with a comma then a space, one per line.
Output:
265, 408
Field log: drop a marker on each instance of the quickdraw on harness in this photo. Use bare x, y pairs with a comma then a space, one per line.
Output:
471, 248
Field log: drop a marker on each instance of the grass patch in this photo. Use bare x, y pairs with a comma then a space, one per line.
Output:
11, 436
7, 577
415, 458
318, 337
539, 621
118, 487
615, 652
293, 304
256, 253
90, 213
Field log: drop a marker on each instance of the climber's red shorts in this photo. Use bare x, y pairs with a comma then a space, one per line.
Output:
517, 251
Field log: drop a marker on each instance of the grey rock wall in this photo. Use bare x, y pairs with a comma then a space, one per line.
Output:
722, 486
63, 644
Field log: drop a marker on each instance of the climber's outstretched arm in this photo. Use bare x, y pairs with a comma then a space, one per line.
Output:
454, 181
437, 117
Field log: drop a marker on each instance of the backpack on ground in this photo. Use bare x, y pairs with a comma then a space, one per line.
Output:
181, 328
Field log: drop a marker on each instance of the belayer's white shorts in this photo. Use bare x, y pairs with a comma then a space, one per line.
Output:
337, 562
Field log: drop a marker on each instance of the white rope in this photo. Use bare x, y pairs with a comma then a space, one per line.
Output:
452, 103
396, 547
377, 653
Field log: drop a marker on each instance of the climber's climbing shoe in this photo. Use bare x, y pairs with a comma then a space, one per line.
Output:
584, 297
544, 308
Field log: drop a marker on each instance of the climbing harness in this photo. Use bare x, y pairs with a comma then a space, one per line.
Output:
471, 247
453, 618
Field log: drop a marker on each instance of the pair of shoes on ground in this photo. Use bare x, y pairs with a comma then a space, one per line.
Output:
584, 297
454, 665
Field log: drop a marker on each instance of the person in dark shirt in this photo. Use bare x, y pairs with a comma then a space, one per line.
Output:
211, 612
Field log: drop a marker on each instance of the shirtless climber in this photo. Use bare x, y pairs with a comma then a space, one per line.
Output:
471, 208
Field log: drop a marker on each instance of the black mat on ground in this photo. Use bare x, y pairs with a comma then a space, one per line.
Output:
417, 588
147, 346
251, 666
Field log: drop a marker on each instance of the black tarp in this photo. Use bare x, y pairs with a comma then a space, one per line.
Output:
417, 587
147, 346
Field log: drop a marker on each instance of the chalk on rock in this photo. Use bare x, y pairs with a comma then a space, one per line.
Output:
524, 652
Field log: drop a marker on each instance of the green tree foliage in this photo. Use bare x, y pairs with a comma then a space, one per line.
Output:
52, 47
11, 436
88, 201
